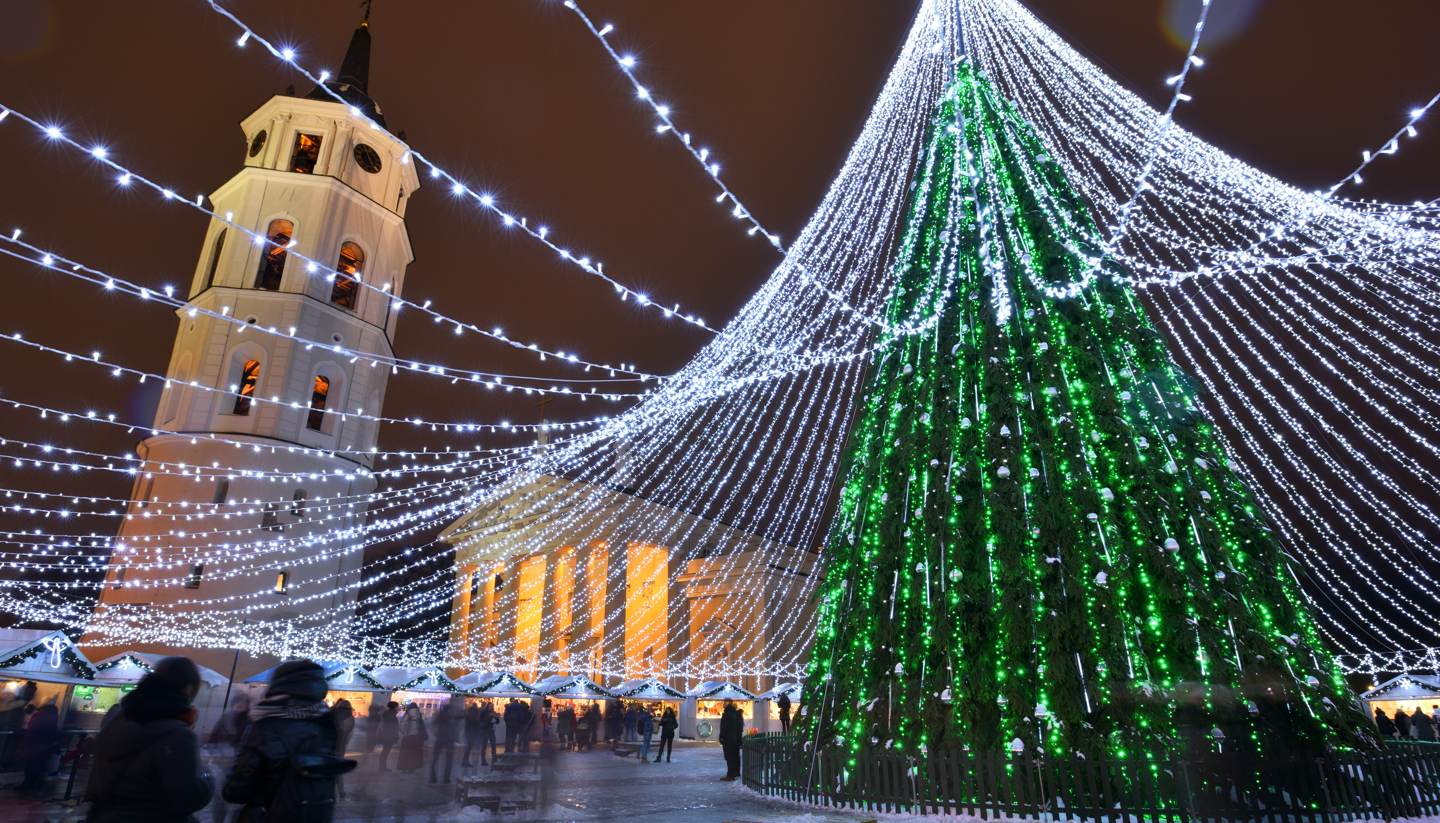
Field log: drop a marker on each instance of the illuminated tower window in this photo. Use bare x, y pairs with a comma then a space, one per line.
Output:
272, 257
245, 392
307, 153
282, 582
318, 396
192, 581
347, 276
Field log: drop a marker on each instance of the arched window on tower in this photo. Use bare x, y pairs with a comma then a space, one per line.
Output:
307, 153
318, 396
215, 258
272, 256
298, 502
348, 270
245, 391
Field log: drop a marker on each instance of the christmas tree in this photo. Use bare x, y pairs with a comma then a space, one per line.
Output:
1040, 544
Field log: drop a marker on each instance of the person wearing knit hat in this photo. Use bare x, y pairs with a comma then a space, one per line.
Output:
146, 759
287, 768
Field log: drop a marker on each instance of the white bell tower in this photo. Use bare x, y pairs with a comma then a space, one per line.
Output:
269, 421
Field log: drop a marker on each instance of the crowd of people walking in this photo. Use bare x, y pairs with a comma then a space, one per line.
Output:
1417, 725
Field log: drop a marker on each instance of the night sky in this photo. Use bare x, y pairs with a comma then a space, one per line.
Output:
517, 97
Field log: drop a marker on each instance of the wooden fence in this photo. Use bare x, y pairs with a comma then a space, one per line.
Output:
1403, 781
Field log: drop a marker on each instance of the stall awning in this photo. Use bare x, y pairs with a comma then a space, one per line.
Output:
1405, 687
47, 657
130, 667
416, 679
647, 688
719, 690
792, 690
493, 684
571, 687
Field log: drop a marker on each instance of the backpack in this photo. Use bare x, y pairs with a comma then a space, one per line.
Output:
305, 792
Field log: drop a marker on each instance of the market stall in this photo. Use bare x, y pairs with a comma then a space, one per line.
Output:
118, 674
1406, 693
703, 705
40, 667
493, 684
767, 715
575, 691
428, 687
348, 681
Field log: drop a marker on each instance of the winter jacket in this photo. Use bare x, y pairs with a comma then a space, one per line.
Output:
644, 723
389, 727
270, 777
146, 766
668, 724
732, 727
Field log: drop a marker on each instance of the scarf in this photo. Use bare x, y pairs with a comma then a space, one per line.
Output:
288, 707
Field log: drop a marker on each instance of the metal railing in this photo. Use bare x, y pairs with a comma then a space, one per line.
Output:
1401, 781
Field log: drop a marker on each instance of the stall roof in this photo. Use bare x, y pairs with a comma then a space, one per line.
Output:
570, 686
719, 690
347, 677
415, 679
46, 657
792, 689
130, 667
496, 684
1405, 687
646, 688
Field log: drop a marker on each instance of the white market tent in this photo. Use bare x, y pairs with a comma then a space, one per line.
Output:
1406, 693
571, 687
767, 714
700, 713
646, 688
49, 660
494, 684
118, 673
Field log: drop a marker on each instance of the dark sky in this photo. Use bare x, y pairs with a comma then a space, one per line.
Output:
516, 96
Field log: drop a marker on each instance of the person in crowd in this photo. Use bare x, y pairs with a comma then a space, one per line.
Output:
344, 716
224, 742
373, 722
446, 725
389, 732
783, 704
413, 735
631, 718
667, 734
1384, 724
42, 742
732, 732
614, 721
13, 709
471, 726
232, 725
565, 727
1421, 725
529, 725
645, 727
146, 766
511, 716
287, 768
1402, 724
488, 721
584, 726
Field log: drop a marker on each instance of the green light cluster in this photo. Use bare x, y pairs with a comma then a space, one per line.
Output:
1040, 543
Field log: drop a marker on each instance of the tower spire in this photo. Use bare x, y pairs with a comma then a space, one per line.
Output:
352, 82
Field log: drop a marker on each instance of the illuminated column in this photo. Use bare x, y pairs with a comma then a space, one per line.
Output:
613, 642
559, 609
679, 607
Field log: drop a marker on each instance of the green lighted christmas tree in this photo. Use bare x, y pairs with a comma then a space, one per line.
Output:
1040, 543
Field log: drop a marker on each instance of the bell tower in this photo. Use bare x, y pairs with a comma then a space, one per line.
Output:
259, 464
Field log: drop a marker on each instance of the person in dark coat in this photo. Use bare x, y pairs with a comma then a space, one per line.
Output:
732, 732
146, 766
1424, 728
413, 734
232, 725
42, 742
389, 733
667, 734
645, 727
1402, 724
1383, 724
344, 716
614, 721
488, 722
511, 716
783, 704
446, 728
528, 721
286, 768
373, 722
472, 735
632, 722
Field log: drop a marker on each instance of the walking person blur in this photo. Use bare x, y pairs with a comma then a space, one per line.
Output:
412, 739
287, 768
1402, 724
446, 725
529, 724
667, 734
1384, 724
224, 743
344, 716
645, 727
511, 716
389, 733
373, 720
784, 705
1424, 728
632, 722
472, 735
732, 732
42, 742
146, 766
584, 723
488, 722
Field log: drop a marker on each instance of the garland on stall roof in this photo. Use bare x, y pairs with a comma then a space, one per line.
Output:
82, 668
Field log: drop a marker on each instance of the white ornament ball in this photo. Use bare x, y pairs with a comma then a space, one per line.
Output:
1172, 545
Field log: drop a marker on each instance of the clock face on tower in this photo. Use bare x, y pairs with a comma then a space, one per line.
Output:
257, 142
367, 158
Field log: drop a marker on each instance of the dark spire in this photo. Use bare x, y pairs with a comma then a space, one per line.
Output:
352, 82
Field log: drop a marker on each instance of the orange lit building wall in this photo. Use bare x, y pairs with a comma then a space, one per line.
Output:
646, 597
529, 608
